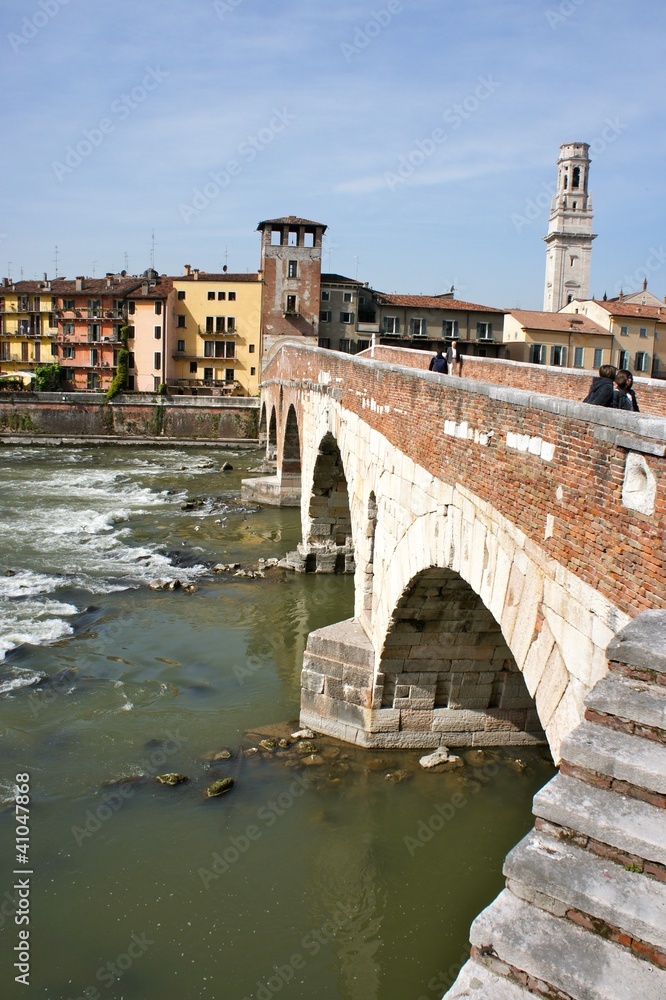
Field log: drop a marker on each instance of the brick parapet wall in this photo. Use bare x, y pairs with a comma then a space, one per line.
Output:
569, 505
567, 383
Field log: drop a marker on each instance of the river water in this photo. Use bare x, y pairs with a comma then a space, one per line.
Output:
304, 881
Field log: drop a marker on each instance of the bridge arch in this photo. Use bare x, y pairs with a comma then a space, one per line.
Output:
272, 442
291, 445
262, 432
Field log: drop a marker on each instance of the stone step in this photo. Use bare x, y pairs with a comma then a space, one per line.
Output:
635, 701
641, 643
625, 823
616, 754
478, 982
577, 878
556, 951
344, 642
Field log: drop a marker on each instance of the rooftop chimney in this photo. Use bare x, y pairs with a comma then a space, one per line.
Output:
79, 283
187, 269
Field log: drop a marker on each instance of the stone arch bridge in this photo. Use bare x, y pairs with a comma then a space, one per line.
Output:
499, 539
508, 553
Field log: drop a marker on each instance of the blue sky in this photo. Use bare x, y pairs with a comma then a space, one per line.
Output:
424, 133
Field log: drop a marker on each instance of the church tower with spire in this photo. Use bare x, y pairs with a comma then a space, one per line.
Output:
569, 239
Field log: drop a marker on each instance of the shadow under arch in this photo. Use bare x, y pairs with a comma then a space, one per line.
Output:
328, 545
291, 447
271, 444
262, 432
446, 667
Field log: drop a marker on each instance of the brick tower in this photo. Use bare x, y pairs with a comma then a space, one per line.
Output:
291, 266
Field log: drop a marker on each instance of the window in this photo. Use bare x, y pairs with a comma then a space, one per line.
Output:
642, 332
324, 342
623, 359
346, 317
130, 382
231, 324
54, 350
253, 371
219, 349
219, 324
538, 354
209, 348
450, 328
68, 329
93, 307
363, 345
229, 375
158, 333
624, 331
484, 331
117, 335
131, 363
181, 295
181, 345
578, 357
325, 316
158, 308
291, 304
575, 181
230, 349
68, 305
276, 237
208, 374
345, 346
209, 324
221, 296
598, 357
655, 365
157, 360
232, 296
131, 308
93, 380
292, 269
308, 239
68, 351
417, 326
193, 367
292, 239
130, 333
347, 297
93, 333
558, 355
391, 324
180, 322
211, 295
325, 295
642, 361
94, 356
250, 349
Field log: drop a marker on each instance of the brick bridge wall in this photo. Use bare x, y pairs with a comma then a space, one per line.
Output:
568, 383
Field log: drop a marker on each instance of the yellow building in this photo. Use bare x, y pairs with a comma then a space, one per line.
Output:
637, 331
549, 338
215, 342
28, 326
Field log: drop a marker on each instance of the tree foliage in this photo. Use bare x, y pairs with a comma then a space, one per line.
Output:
122, 370
48, 378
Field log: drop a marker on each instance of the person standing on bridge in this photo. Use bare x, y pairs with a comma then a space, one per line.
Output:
602, 388
627, 388
454, 358
439, 364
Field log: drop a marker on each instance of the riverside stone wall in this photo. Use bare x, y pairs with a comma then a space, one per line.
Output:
78, 416
583, 914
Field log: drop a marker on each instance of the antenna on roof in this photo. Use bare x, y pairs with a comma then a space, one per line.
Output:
56, 261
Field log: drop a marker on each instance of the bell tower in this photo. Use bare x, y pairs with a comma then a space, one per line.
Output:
569, 239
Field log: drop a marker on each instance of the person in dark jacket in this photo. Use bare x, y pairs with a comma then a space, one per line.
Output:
628, 388
438, 364
602, 388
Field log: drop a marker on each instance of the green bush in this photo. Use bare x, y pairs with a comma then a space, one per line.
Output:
48, 378
122, 371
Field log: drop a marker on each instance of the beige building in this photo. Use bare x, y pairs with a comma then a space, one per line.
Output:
215, 340
347, 317
431, 321
547, 338
637, 330
151, 318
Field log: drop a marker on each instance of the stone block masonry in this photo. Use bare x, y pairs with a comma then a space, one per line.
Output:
583, 914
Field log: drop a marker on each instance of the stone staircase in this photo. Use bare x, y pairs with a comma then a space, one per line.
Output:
583, 914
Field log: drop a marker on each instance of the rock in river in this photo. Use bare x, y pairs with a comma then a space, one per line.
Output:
219, 787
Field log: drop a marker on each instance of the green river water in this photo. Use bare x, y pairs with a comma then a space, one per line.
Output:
304, 881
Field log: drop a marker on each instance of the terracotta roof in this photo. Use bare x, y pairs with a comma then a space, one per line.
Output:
633, 309
205, 276
532, 319
433, 302
291, 220
158, 288
340, 279
35, 287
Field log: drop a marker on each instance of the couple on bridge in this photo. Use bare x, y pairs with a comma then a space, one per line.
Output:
613, 387
449, 364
